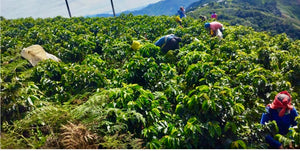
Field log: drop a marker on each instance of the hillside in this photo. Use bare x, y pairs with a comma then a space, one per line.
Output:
107, 93
289, 9
275, 16
164, 7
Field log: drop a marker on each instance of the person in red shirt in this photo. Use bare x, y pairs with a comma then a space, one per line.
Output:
214, 16
214, 27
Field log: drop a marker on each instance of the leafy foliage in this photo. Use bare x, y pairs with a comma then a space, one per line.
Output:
78, 137
210, 93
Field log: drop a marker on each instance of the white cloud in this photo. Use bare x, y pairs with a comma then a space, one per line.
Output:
50, 8
32, 8
86, 7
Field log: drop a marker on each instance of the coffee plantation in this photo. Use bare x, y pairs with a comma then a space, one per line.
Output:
209, 94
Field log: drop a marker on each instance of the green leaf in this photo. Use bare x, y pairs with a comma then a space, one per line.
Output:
211, 131
239, 108
218, 129
179, 109
227, 126
282, 139
29, 101
238, 144
156, 111
154, 144
203, 88
205, 106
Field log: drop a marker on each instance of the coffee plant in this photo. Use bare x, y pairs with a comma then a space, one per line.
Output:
105, 93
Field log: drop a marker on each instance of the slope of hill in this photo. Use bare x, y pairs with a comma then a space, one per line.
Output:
164, 7
275, 16
290, 10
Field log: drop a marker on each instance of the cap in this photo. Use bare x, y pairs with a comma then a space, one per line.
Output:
206, 25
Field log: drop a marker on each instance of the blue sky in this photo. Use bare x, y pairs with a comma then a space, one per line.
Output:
12, 9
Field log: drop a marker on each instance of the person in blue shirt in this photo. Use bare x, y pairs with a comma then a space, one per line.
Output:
181, 12
282, 111
168, 42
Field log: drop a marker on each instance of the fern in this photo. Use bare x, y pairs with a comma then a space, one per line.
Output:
52, 142
122, 141
33, 130
22, 136
50, 117
78, 137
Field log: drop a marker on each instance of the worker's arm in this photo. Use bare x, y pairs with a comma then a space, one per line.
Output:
272, 142
269, 139
294, 114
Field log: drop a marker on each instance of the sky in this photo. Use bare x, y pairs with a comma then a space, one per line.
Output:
12, 9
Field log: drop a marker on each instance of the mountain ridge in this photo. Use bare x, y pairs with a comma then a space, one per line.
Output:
164, 7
